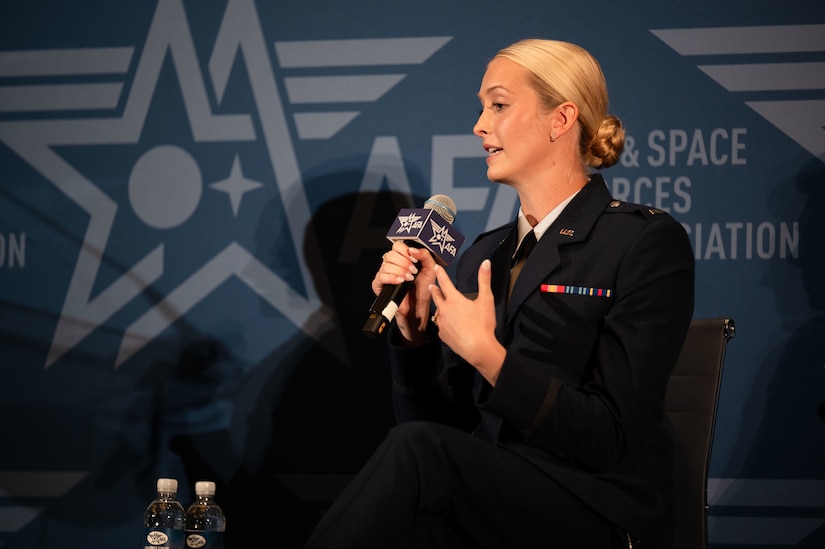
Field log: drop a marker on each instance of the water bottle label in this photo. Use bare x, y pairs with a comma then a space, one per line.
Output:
163, 538
204, 540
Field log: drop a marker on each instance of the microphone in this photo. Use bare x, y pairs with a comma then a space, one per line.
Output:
428, 227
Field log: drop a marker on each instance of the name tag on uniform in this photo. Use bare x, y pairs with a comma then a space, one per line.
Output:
576, 290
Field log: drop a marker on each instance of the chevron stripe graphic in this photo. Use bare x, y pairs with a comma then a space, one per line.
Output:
784, 511
349, 89
20, 486
803, 120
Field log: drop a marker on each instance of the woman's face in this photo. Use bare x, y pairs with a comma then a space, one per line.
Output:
514, 129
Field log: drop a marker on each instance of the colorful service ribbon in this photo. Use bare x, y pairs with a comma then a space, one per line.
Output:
575, 290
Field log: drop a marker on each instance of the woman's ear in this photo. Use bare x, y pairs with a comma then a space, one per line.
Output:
562, 119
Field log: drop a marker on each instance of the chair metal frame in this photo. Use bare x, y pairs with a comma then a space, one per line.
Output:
691, 402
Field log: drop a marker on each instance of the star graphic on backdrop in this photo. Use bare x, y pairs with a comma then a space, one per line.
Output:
38, 143
236, 185
165, 184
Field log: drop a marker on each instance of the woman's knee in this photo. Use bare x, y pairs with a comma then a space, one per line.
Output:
424, 437
415, 432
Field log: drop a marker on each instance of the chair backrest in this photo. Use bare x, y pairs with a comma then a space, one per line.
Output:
690, 413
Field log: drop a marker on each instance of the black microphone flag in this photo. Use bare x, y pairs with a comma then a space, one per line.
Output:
428, 227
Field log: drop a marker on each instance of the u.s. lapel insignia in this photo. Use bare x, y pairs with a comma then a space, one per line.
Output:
566, 232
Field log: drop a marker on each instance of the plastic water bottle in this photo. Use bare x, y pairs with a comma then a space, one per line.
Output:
205, 522
163, 520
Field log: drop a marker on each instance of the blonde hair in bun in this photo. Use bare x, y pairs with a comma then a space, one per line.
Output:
561, 72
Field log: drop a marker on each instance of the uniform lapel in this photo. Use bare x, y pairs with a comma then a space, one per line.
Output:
544, 260
573, 225
500, 260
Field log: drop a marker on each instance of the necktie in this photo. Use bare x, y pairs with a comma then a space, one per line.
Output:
524, 249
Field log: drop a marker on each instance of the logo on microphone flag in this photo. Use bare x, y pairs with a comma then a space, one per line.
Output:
428, 229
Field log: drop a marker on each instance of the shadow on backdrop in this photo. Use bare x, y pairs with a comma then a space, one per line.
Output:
789, 395
309, 419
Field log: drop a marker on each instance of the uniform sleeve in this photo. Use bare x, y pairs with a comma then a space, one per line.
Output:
425, 390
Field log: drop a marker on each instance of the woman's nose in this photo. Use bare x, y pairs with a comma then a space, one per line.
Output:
480, 127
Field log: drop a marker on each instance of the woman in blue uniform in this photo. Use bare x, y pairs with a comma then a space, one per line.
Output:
530, 404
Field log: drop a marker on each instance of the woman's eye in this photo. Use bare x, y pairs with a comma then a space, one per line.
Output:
494, 106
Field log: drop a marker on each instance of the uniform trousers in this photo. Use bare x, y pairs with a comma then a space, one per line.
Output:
431, 486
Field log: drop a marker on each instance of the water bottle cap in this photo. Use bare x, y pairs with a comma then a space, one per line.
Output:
205, 488
167, 485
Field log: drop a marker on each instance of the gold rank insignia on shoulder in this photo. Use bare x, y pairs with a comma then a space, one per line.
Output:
654, 211
566, 232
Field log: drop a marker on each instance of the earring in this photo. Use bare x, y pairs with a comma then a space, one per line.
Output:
553, 137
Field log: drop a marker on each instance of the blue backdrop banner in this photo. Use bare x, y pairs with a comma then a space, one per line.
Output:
194, 196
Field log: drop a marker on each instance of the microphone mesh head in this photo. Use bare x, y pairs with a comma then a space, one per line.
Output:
443, 206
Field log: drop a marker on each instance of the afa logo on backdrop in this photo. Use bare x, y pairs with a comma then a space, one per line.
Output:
65, 104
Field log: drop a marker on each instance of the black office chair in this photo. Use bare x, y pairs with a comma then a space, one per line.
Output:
690, 410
